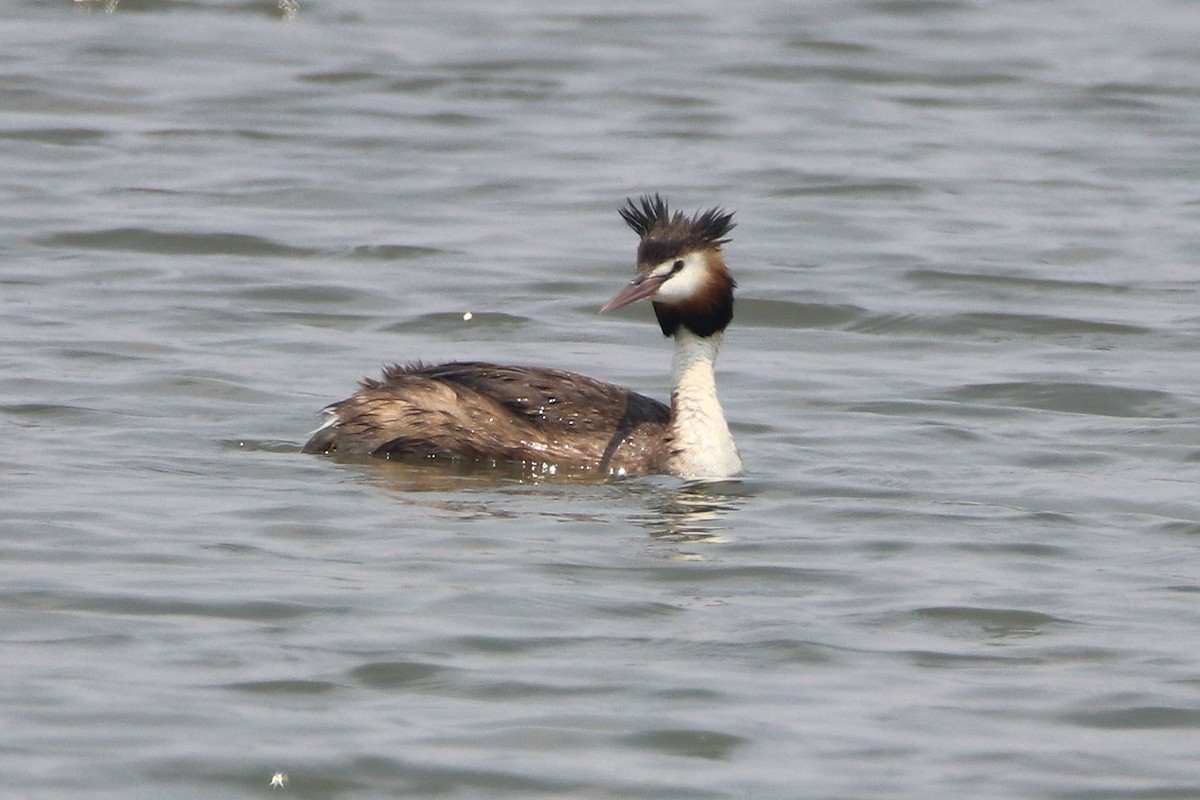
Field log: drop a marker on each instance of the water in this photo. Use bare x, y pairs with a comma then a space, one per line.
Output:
962, 373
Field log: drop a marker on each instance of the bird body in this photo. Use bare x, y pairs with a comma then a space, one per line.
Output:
552, 420
488, 412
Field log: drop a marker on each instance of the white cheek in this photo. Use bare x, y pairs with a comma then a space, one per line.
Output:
683, 284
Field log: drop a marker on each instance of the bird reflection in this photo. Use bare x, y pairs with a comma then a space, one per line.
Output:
694, 513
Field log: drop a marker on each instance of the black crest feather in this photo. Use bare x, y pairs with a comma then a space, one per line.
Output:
665, 234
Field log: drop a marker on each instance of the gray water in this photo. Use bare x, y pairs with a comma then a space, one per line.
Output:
962, 562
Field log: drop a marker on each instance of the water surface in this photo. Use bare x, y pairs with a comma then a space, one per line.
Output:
962, 562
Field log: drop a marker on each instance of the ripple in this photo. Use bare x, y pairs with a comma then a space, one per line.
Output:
1138, 718
513, 690
936, 659
987, 324
634, 610
339, 77
689, 743
866, 189
311, 294
935, 278
394, 252
396, 674
284, 687
50, 412
1043, 325
250, 611
147, 240
1038, 550
1075, 398
66, 136
715, 575
1180, 527
994, 621
503, 645
795, 651
786, 314
943, 409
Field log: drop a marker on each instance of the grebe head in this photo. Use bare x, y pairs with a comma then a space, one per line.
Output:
680, 267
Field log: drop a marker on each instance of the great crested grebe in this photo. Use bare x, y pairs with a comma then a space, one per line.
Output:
552, 420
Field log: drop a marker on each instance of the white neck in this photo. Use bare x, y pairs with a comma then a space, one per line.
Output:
702, 446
